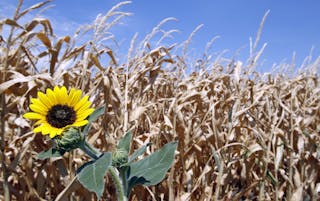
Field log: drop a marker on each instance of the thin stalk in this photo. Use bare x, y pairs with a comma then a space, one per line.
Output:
220, 166
291, 155
277, 184
123, 175
126, 114
5, 170
121, 187
266, 155
91, 151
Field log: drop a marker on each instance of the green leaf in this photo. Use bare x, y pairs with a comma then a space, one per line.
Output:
138, 152
52, 152
97, 113
124, 143
94, 116
91, 176
152, 169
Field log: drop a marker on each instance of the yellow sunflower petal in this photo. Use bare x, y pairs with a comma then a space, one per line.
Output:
84, 114
81, 103
46, 129
44, 99
80, 123
38, 129
53, 133
59, 95
33, 100
51, 95
39, 109
70, 96
59, 131
63, 95
56, 91
41, 129
33, 115
74, 97
84, 107
37, 101
39, 122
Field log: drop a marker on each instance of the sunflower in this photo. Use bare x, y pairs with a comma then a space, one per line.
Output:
57, 110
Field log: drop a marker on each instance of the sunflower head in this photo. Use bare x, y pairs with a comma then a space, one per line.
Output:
58, 109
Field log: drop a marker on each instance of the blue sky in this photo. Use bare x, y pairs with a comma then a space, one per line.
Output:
291, 26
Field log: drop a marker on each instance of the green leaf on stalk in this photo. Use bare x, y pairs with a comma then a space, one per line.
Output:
124, 143
97, 113
138, 152
94, 116
152, 169
91, 176
50, 153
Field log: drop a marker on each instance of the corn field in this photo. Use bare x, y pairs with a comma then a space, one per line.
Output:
243, 135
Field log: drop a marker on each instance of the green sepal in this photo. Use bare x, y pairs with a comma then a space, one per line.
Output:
70, 139
120, 155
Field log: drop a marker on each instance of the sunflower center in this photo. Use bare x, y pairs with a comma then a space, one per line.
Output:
60, 116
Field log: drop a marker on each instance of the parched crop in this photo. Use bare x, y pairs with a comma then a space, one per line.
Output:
243, 135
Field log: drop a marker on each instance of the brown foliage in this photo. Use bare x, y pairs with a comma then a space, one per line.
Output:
242, 135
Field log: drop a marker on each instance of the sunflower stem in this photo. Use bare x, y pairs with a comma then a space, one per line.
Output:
120, 186
123, 173
90, 150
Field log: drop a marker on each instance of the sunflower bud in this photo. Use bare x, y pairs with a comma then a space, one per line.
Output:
119, 157
70, 139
